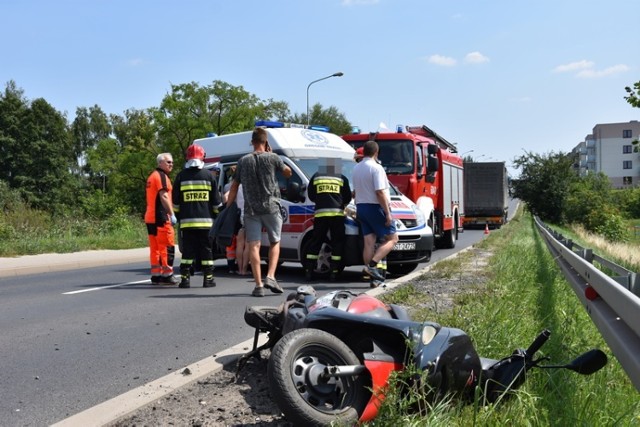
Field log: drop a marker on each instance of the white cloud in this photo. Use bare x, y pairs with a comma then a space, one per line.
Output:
573, 66
585, 69
135, 62
359, 2
610, 71
475, 58
445, 61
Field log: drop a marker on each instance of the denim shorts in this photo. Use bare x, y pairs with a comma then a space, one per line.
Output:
272, 224
372, 220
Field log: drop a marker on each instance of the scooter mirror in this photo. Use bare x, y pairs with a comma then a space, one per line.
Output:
588, 363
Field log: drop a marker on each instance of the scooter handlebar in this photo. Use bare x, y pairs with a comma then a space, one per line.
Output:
538, 342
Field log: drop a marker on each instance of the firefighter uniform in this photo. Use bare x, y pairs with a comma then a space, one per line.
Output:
331, 193
159, 228
196, 199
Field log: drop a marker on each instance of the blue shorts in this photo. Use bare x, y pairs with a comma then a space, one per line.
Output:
372, 220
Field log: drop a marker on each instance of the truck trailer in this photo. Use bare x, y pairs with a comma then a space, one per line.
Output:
486, 194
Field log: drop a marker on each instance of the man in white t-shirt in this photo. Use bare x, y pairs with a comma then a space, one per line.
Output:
371, 188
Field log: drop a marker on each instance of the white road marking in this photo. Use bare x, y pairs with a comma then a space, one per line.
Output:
106, 287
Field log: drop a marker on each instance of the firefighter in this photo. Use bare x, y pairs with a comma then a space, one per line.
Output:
331, 193
196, 199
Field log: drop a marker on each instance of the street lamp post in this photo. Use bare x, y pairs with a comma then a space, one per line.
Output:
338, 74
466, 152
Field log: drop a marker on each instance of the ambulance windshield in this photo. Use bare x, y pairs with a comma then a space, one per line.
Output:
311, 166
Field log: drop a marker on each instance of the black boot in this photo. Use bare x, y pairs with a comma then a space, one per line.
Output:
309, 266
185, 275
208, 281
334, 272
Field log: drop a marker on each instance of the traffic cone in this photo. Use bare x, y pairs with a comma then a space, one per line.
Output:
486, 229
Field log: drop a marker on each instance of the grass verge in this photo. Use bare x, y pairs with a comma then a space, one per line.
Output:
518, 293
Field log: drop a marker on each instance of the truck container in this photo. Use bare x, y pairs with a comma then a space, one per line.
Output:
486, 194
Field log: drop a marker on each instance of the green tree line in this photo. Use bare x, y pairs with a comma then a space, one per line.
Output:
98, 163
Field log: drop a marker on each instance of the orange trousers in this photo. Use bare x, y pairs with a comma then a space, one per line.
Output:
161, 249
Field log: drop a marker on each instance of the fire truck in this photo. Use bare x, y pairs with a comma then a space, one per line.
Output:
427, 169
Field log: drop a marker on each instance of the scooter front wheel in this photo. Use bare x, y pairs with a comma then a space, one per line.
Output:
301, 390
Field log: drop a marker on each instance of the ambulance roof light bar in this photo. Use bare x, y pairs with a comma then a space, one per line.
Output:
276, 124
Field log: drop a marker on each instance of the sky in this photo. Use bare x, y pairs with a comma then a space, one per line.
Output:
497, 78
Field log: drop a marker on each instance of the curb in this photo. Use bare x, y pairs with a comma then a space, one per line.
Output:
132, 400
46, 263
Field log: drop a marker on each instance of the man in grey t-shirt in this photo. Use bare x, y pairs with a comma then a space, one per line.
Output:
256, 172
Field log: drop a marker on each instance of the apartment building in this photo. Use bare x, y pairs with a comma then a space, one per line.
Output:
609, 149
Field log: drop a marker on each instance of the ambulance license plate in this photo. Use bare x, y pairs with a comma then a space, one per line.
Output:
405, 246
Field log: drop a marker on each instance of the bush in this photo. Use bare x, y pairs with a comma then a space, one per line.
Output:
608, 223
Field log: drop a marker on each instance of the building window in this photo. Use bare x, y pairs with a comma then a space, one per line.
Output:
627, 180
626, 133
626, 149
626, 164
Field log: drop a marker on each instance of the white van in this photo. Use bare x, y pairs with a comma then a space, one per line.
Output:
301, 148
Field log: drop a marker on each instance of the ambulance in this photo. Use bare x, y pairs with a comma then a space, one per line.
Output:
301, 148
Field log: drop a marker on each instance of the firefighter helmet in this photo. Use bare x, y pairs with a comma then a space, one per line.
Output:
195, 151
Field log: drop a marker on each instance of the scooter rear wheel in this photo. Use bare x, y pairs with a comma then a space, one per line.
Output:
302, 393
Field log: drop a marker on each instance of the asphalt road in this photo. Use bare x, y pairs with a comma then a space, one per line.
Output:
73, 339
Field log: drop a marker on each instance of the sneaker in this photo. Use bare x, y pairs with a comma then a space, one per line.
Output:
375, 283
168, 280
272, 285
258, 291
375, 273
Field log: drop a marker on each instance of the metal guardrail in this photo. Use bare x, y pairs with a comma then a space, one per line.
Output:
614, 307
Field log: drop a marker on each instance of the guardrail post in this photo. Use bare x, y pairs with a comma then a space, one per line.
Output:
569, 243
588, 255
634, 284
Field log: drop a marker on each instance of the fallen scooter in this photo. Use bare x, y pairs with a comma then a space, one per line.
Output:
332, 356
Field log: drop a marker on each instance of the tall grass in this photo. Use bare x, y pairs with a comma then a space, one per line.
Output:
627, 253
30, 232
518, 294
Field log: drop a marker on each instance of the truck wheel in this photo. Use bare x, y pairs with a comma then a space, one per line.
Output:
449, 239
300, 389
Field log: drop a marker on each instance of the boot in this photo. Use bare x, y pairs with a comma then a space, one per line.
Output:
309, 266
334, 271
185, 275
208, 281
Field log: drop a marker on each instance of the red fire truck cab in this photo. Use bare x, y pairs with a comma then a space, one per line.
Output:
427, 169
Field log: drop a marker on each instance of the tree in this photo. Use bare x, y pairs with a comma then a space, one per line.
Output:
634, 100
13, 107
634, 95
544, 183
36, 150
89, 127
331, 117
191, 111
591, 203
